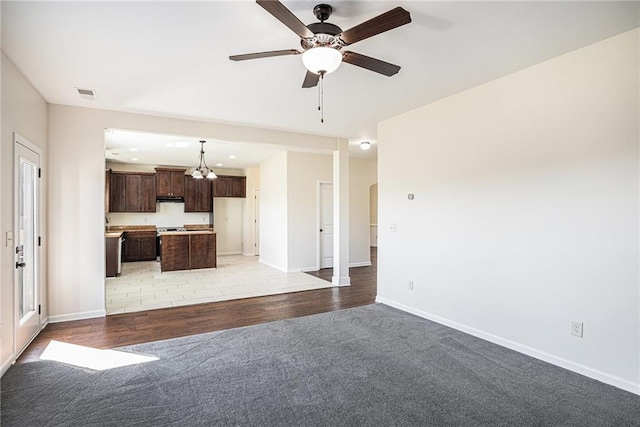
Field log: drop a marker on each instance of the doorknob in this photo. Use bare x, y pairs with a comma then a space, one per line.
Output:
20, 264
321, 230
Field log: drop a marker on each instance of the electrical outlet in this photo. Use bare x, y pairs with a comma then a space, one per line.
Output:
576, 329
410, 285
393, 228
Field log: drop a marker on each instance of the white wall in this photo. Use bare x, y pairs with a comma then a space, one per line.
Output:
273, 211
304, 170
525, 215
248, 238
23, 111
227, 222
76, 219
373, 206
362, 174
373, 214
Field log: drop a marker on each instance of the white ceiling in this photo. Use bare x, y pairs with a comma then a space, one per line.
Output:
124, 146
171, 58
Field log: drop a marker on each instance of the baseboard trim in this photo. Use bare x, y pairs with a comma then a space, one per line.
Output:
248, 254
302, 269
268, 264
77, 316
6, 365
341, 281
230, 253
11, 360
315, 267
529, 351
360, 264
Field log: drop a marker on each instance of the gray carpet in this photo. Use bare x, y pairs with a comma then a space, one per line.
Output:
371, 365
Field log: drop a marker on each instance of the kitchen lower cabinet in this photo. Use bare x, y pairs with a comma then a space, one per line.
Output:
188, 250
202, 251
139, 246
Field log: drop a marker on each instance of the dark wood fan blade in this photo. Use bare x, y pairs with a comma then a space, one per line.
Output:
381, 23
310, 79
369, 63
264, 54
284, 15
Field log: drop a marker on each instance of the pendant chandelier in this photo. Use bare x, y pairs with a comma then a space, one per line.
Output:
203, 170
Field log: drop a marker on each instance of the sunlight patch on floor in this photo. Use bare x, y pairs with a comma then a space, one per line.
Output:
92, 358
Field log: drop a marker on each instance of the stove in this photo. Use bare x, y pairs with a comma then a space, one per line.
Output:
165, 229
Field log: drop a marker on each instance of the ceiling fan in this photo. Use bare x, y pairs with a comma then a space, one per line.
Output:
322, 42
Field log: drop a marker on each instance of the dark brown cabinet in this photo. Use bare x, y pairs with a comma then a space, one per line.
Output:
197, 195
139, 246
202, 250
229, 186
132, 192
170, 182
117, 193
188, 251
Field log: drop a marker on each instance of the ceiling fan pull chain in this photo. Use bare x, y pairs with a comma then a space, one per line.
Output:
321, 106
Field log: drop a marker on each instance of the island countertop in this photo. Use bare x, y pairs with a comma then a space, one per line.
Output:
185, 233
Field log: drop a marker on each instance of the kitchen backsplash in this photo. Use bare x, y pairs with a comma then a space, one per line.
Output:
166, 215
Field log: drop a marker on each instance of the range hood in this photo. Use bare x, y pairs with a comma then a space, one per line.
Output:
171, 199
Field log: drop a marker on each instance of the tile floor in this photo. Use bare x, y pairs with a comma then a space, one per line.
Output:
142, 286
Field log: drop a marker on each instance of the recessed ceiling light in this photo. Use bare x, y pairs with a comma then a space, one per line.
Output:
135, 159
219, 164
133, 149
365, 145
177, 144
232, 156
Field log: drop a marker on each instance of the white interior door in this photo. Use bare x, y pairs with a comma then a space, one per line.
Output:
25, 236
256, 222
326, 225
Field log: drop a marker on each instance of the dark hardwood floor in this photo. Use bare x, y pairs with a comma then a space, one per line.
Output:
145, 326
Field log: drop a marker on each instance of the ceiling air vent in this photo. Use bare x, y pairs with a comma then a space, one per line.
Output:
88, 94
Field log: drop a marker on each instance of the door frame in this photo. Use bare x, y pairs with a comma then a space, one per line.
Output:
319, 222
256, 221
24, 142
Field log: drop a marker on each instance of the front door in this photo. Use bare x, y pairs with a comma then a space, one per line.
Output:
326, 225
25, 237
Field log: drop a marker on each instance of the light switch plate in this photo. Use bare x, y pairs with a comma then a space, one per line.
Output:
8, 238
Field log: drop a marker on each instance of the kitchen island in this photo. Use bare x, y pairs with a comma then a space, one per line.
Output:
187, 250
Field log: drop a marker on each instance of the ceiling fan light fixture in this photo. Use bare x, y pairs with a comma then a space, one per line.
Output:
322, 59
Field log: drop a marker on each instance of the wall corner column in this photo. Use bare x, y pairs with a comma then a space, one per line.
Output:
341, 214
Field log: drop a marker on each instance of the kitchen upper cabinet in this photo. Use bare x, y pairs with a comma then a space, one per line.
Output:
132, 192
229, 186
170, 182
238, 186
197, 195
117, 192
